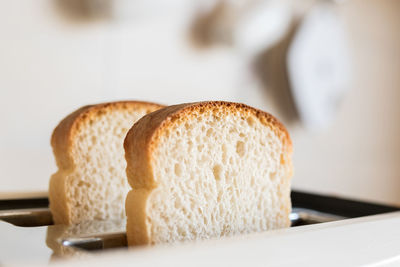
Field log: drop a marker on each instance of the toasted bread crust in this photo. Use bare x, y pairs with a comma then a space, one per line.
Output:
66, 130
62, 143
142, 140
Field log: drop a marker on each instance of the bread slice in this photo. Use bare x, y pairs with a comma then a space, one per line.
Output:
206, 170
88, 147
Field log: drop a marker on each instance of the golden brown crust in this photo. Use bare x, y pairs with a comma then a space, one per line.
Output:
64, 133
143, 137
135, 207
62, 143
140, 137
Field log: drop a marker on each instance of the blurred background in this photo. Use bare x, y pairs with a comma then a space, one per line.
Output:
328, 69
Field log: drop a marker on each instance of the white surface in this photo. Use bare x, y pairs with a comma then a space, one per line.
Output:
368, 241
23, 245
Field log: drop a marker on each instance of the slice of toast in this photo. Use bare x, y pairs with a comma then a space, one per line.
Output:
88, 147
206, 170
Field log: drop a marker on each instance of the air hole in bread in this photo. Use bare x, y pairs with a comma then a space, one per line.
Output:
250, 121
209, 132
220, 195
217, 171
190, 144
178, 170
224, 153
240, 148
200, 148
282, 159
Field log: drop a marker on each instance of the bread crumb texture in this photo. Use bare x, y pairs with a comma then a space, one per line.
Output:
91, 183
219, 169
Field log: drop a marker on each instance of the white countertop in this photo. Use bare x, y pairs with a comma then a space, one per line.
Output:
367, 241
